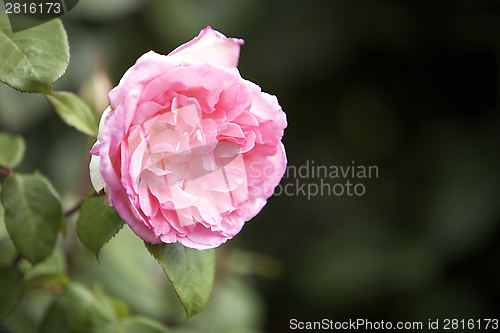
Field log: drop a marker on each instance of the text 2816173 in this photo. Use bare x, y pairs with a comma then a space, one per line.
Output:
33, 8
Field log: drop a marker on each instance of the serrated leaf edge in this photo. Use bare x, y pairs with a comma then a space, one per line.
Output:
172, 282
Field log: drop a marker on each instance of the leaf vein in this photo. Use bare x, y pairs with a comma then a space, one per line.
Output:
1, 68
12, 42
25, 201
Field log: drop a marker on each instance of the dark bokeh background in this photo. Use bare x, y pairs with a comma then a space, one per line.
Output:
408, 86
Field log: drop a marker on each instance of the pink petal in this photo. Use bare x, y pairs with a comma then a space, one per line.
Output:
95, 174
235, 98
148, 203
122, 206
171, 237
233, 130
147, 67
145, 111
210, 46
189, 243
160, 224
95, 148
266, 106
205, 237
247, 119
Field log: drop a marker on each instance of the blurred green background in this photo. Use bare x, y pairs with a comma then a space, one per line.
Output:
408, 86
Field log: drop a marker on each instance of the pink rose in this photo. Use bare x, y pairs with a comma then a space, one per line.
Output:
188, 150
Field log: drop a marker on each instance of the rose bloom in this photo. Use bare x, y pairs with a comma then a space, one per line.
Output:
176, 144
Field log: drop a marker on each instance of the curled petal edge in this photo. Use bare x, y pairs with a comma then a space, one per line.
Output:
211, 46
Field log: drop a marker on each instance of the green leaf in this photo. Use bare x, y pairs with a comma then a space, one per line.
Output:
97, 223
74, 112
190, 271
56, 263
21, 320
7, 249
31, 60
136, 324
48, 280
62, 225
120, 309
78, 310
11, 289
85, 308
118, 273
82, 310
140, 324
32, 215
12, 149
54, 321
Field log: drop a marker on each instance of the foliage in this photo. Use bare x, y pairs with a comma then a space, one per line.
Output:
11, 289
74, 111
97, 223
191, 272
32, 215
13, 149
32, 60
